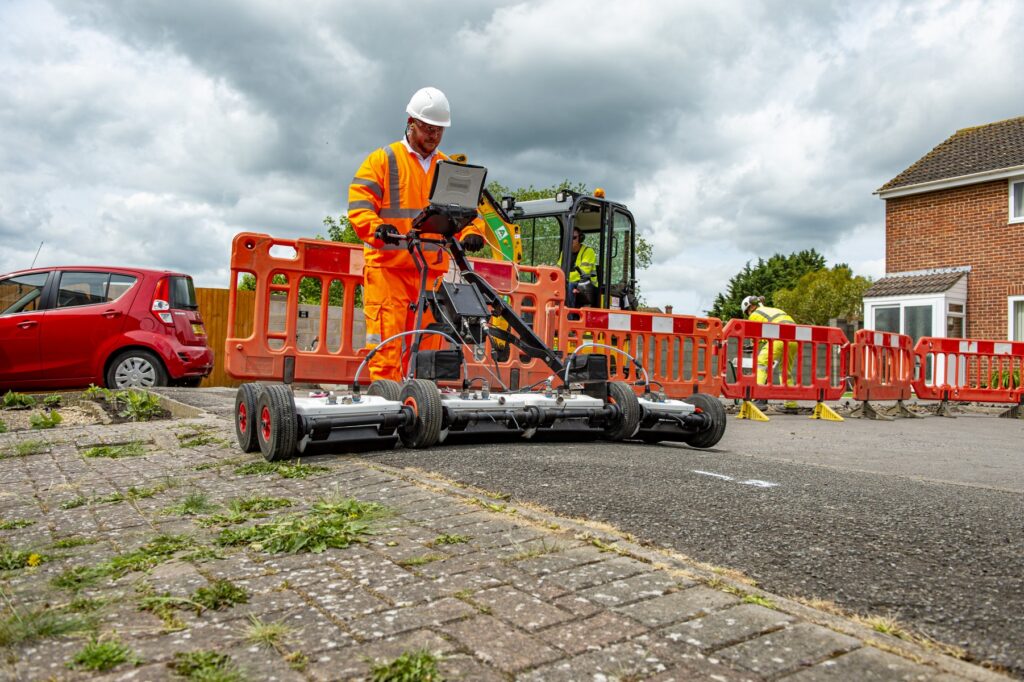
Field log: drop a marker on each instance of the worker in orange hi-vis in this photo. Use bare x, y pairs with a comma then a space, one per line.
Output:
390, 188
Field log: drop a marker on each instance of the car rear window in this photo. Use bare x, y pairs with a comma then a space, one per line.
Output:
21, 294
88, 288
183, 293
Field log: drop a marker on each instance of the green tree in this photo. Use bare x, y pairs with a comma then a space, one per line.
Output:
765, 279
824, 294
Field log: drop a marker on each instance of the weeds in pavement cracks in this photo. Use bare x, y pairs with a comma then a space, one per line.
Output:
15, 559
206, 666
101, 655
158, 550
449, 539
193, 504
421, 560
272, 636
132, 493
73, 541
283, 469
26, 448
131, 449
330, 523
20, 628
241, 509
16, 523
197, 436
413, 666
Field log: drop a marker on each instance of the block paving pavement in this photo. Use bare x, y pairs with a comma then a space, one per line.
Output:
522, 595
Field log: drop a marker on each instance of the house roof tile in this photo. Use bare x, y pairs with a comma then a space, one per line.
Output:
968, 151
902, 285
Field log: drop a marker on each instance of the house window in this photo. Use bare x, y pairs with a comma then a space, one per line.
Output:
887, 319
1016, 318
955, 321
1017, 200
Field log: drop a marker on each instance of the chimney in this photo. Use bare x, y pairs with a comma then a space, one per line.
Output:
668, 309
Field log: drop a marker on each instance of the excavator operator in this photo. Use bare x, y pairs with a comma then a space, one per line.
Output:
389, 189
584, 271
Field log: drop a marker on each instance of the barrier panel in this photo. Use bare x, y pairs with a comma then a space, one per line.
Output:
974, 370
331, 352
881, 365
813, 359
678, 351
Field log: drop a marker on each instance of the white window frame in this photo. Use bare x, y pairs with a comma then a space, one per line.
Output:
1011, 183
1010, 301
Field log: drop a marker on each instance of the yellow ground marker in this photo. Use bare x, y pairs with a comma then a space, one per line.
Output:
749, 411
823, 411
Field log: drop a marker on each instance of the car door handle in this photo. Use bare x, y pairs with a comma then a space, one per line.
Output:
111, 314
27, 324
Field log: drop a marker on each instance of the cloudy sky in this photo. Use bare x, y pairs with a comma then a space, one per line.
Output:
150, 132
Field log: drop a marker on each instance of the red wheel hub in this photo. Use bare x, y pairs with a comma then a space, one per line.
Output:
265, 423
243, 418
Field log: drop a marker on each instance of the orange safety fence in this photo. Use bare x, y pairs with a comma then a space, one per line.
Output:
811, 364
970, 370
333, 349
881, 365
678, 351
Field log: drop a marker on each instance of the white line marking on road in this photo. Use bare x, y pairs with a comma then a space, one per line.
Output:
757, 483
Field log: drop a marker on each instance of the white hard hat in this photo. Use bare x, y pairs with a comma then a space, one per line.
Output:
749, 301
430, 106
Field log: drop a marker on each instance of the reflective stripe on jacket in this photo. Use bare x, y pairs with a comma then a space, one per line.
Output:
771, 315
392, 187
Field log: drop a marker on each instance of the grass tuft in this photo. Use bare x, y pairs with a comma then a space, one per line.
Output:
101, 655
205, 666
40, 624
267, 635
130, 449
15, 523
449, 539
415, 666
221, 594
193, 504
26, 448
283, 469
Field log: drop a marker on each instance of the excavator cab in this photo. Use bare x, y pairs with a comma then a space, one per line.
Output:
545, 231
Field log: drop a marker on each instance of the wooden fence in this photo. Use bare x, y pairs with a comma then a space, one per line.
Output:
213, 306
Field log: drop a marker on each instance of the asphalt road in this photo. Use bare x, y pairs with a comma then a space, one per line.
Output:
918, 520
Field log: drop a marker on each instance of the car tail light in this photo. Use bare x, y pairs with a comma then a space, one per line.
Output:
161, 302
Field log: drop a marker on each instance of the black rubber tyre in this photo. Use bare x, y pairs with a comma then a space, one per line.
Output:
422, 396
712, 407
246, 419
136, 368
622, 395
276, 424
385, 388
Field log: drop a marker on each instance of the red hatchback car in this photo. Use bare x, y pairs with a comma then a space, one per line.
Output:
68, 327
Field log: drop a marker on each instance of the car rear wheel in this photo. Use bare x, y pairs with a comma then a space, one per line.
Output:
136, 368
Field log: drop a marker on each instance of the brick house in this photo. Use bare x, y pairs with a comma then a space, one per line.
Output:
954, 240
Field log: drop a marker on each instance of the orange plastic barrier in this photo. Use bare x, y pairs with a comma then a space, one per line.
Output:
272, 350
817, 373
678, 351
881, 365
980, 370
281, 267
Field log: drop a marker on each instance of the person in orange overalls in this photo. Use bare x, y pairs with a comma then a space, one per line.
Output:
390, 188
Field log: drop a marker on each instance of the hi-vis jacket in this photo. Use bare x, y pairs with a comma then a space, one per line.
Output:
391, 187
771, 315
584, 266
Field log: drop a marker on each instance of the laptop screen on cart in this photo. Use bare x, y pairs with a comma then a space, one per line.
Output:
457, 184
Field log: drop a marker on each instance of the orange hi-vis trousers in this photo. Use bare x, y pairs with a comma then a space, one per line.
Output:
388, 295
